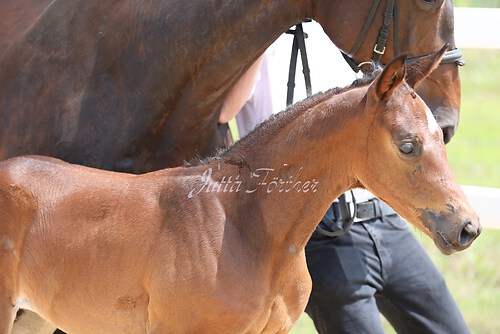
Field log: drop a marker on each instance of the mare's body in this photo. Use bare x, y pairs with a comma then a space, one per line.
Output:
137, 86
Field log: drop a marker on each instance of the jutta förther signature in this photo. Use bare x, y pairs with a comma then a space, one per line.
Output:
262, 178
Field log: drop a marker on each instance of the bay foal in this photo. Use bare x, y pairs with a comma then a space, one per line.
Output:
218, 247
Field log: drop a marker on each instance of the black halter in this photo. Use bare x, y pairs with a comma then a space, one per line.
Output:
391, 14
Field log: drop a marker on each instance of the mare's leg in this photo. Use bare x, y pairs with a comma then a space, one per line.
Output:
346, 275
415, 297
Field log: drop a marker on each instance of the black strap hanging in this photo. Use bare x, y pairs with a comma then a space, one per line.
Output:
298, 45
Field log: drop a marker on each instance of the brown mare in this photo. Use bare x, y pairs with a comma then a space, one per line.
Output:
137, 85
218, 247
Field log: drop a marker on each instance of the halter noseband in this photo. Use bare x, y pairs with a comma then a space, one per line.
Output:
391, 13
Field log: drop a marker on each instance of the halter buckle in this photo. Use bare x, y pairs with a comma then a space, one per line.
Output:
375, 49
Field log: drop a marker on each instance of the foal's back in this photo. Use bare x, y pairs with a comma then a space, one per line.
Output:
72, 202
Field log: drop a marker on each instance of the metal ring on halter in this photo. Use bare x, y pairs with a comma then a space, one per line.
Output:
369, 62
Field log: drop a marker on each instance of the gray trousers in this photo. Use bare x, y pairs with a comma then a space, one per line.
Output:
378, 266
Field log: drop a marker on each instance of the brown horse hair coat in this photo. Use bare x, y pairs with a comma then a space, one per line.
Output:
219, 247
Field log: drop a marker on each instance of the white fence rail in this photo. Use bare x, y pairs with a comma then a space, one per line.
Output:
486, 202
477, 28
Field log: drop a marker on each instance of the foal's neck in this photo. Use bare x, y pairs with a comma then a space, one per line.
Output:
296, 164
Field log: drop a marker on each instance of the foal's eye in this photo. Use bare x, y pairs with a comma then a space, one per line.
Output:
407, 148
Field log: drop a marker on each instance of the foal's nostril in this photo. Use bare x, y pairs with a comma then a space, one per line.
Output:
468, 234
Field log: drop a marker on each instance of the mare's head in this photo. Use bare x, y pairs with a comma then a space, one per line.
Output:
422, 27
405, 162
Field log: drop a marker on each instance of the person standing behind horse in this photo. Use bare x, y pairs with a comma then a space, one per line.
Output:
376, 267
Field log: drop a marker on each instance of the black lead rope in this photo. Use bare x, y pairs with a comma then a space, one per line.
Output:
346, 217
299, 45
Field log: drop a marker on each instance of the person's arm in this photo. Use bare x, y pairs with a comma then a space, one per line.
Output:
241, 92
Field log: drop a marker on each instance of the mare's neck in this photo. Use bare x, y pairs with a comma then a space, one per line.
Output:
243, 30
295, 165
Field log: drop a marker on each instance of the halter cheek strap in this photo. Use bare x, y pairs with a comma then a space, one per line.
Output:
391, 7
391, 14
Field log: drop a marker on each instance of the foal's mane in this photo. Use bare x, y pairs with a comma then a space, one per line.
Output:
276, 121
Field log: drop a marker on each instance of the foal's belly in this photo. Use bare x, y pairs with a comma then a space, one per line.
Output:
256, 307
113, 313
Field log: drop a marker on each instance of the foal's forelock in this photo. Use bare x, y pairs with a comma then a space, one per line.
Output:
432, 123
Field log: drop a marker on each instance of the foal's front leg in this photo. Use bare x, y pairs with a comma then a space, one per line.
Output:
7, 312
31, 323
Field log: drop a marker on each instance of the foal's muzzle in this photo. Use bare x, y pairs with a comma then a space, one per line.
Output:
451, 232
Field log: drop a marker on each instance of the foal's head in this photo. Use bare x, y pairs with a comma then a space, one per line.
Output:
405, 162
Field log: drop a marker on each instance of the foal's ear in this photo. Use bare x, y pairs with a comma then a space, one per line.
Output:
390, 78
419, 69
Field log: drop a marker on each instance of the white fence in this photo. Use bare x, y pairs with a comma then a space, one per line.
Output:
477, 27
486, 202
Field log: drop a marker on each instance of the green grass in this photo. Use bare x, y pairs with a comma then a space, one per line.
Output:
473, 276
477, 3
